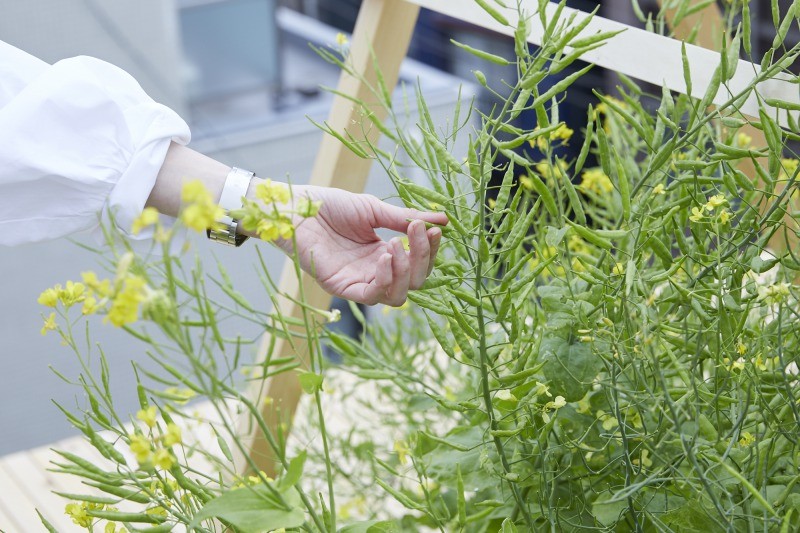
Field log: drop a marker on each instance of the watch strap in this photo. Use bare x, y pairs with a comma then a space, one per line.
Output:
236, 185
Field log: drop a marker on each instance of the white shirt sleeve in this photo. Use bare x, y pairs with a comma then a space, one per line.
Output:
76, 138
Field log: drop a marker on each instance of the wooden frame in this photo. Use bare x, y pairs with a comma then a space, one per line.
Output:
384, 27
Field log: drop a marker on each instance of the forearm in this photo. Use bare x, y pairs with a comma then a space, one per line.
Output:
183, 164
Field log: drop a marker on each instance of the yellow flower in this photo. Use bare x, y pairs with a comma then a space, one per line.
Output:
609, 421
102, 288
556, 404
182, 395
744, 140
90, 305
200, 212
526, 182
307, 208
125, 305
540, 389
724, 216
402, 450
49, 324
697, 214
659, 189
49, 297
200, 217
714, 202
790, 166
148, 217
584, 404
140, 447
733, 365
618, 269
775, 293
645, 461
747, 439
195, 192
741, 349
545, 169
148, 416
271, 192
172, 436
562, 133
341, 39
156, 511
596, 181
163, 459
72, 293
270, 229
255, 480
77, 511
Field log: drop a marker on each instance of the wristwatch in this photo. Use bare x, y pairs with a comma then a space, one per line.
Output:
236, 185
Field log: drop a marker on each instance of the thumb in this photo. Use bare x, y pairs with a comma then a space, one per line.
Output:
397, 218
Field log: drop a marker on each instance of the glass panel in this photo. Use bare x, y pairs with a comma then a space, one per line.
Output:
230, 46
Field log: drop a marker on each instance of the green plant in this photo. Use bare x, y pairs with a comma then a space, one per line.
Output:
618, 354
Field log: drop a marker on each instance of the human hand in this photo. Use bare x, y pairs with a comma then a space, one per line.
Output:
348, 259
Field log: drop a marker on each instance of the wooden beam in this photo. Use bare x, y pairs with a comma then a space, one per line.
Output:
382, 34
711, 21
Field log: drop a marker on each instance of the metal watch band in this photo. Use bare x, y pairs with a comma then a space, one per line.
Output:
236, 185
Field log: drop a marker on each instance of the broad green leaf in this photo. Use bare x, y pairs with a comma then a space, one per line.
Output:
608, 513
251, 510
570, 367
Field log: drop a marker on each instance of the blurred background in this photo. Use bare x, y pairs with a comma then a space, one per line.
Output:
243, 76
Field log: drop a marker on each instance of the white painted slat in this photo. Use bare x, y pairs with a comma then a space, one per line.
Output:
7, 525
636, 53
32, 482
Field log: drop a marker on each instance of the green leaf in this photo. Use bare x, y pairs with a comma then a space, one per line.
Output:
570, 367
690, 518
293, 472
508, 526
371, 526
310, 382
606, 512
554, 236
251, 510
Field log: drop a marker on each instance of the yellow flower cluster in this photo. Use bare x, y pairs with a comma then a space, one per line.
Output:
747, 439
271, 192
561, 133
789, 166
775, 293
596, 181
200, 212
67, 296
146, 449
744, 140
253, 480
121, 297
270, 222
546, 170
79, 513
553, 405
125, 304
148, 217
713, 202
